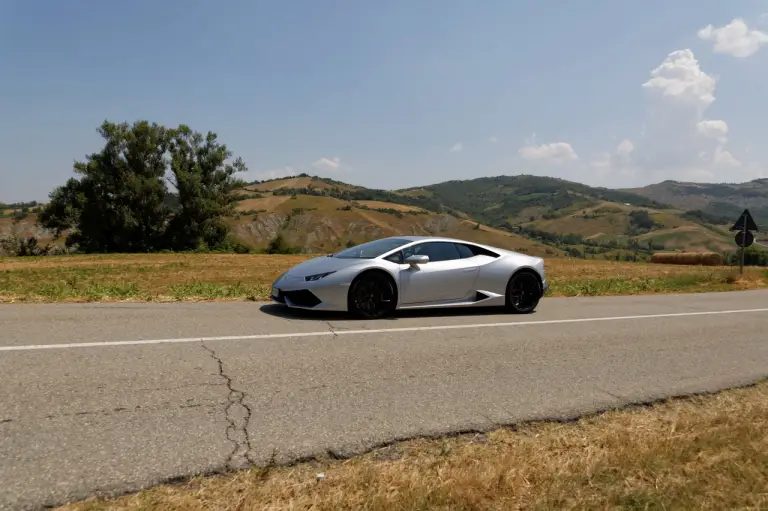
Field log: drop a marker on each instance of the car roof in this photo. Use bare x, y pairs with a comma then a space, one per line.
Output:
431, 238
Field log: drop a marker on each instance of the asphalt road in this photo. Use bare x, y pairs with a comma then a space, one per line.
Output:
110, 398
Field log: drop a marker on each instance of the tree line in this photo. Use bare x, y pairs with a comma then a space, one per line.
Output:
150, 188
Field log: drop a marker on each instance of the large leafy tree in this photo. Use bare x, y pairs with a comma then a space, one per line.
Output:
117, 205
205, 183
120, 200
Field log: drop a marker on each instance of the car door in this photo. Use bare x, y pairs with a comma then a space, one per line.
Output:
447, 276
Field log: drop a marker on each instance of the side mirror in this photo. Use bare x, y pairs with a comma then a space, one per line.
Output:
416, 260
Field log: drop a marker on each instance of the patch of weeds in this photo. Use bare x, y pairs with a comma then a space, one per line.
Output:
55, 291
212, 291
635, 285
96, 291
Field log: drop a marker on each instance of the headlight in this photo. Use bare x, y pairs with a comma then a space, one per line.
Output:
319, 276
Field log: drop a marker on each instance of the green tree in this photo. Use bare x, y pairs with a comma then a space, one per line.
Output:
63, 211
280, 245
205, 184
120, 201
117, 205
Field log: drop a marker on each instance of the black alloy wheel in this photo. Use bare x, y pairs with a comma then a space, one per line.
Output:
523, 293
372, 296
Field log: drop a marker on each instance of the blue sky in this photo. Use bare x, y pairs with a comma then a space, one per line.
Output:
394, 94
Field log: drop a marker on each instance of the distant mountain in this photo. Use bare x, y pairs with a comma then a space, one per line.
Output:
504, 200
722, 201
564, 215
537, 215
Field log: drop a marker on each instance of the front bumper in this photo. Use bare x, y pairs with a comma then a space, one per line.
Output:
330, 295
544, 286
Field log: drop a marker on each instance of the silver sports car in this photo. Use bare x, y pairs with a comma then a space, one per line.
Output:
413, 272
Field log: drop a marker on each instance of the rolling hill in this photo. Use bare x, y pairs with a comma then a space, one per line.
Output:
320, 215
567, 216
721, 202
538, 215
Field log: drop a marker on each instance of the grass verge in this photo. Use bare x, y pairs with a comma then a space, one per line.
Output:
175, 277
704, 452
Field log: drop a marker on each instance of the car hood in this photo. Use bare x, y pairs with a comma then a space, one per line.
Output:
322, 265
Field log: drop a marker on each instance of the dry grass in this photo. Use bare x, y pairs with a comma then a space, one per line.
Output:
704, 453
376, 204
264, 203
166, 277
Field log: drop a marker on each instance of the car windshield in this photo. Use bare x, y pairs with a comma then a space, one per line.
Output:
371, 249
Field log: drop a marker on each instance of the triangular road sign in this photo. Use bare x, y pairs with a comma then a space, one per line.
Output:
745, 220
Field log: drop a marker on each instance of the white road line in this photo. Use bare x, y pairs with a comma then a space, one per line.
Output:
33, 347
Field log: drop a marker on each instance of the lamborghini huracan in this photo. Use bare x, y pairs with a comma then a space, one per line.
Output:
374, 279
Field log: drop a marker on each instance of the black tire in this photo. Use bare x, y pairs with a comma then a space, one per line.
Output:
523, 293
372, 296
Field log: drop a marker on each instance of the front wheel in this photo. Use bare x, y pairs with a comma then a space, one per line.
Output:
371, 296
523, 293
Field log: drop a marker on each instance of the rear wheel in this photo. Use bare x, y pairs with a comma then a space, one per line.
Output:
372, 296
523, 293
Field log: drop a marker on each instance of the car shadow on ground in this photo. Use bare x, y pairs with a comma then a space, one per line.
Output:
282, 311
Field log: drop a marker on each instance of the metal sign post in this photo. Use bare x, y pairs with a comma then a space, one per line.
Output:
744, 238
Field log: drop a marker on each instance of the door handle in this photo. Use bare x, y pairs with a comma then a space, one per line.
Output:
467, 270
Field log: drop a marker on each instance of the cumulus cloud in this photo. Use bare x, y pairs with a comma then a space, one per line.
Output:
735, 39
618, 159
679, 80
714, 129
457, 148
724, 159
327, 164
677, 140
625, 148
555, 152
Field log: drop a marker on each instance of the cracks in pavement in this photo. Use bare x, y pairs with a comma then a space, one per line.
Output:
107, 412
332, 329
238, 416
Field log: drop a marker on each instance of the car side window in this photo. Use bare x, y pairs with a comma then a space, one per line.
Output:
436, 250
397, 257
464, 251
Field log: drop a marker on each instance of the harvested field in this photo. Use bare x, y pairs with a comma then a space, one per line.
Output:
264, 203
688, 258
169, 277
375, 204
704, 453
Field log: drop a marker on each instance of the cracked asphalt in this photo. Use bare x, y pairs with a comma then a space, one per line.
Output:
115, 417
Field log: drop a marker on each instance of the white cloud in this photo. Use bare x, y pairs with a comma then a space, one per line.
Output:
457, 148
680, 79
493, 140
556, 152
625, 148
724, 159
617, 160
715, 129
735, 39
676, 141
327, 164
